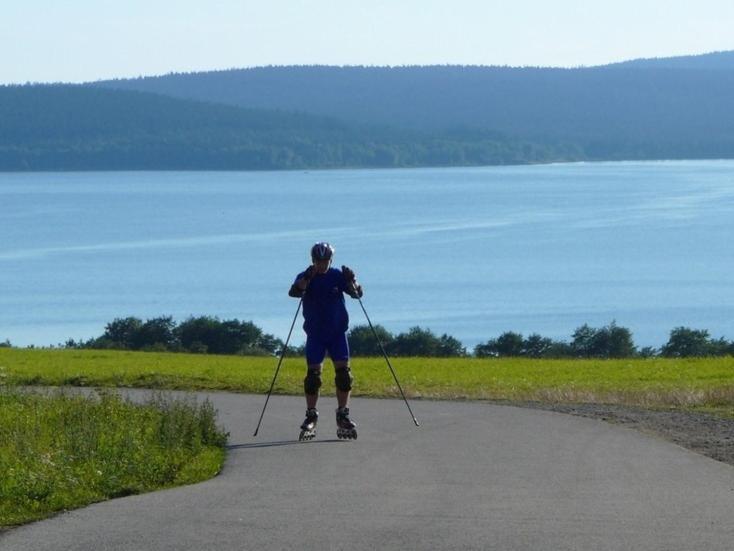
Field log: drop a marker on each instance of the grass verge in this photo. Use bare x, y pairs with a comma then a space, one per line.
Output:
706, 383
61, 451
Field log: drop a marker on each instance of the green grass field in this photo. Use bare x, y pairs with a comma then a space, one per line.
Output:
700, 383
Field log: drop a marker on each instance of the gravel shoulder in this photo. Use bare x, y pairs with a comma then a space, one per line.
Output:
703, 433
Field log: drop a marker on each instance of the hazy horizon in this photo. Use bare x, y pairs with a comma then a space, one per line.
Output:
88, 40
226, 69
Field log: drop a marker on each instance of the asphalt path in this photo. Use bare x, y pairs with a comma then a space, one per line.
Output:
472, 476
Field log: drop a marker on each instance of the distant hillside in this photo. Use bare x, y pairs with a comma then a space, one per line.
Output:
327, 117
85, 128
712, 61
613, 112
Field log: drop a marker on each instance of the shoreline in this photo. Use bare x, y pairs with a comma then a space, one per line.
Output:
371, 169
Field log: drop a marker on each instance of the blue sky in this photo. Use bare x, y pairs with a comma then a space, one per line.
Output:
79, 40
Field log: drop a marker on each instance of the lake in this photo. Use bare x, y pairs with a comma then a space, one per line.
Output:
471, 252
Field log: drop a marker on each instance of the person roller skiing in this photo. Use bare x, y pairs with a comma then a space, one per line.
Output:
326, 321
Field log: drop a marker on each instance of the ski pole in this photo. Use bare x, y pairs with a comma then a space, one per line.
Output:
282, 355
379, 342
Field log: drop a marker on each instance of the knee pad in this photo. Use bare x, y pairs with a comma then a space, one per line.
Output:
312, 382
343, 379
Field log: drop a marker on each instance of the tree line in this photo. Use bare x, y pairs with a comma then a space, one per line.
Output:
610, 341
64, 127
210, 335
198, 335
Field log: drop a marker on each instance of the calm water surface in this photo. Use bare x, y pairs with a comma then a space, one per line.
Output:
471, 252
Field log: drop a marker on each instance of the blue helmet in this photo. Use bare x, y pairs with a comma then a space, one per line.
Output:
322, 251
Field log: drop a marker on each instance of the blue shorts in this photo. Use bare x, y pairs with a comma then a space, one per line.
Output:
316, 348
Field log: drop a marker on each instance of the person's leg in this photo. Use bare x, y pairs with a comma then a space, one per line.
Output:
311, 385
339, 352
315, 353
343, 382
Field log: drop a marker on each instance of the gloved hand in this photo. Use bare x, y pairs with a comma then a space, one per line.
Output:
309, 273
349, 276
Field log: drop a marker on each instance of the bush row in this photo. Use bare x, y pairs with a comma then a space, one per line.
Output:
211, 335
610, 341
203, 334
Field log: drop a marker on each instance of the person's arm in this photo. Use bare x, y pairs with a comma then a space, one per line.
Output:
351, 287
298, 289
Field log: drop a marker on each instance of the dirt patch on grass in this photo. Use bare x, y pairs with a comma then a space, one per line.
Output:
706, 434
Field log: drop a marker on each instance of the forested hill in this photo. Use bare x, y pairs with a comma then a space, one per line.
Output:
62, 127
714, 60
611, 112
327, 117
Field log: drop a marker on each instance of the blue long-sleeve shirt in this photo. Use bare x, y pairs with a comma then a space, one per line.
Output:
324, 311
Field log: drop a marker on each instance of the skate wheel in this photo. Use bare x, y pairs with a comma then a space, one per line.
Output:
306, 435
346, 434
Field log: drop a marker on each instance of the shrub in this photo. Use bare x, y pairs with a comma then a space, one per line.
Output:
536, 346
219, 337
121, 332
511, 344
450, 347
155, 334
611, 341
423, 342
685, 343
362, 341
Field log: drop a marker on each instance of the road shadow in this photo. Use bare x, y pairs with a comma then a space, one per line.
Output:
281, 443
